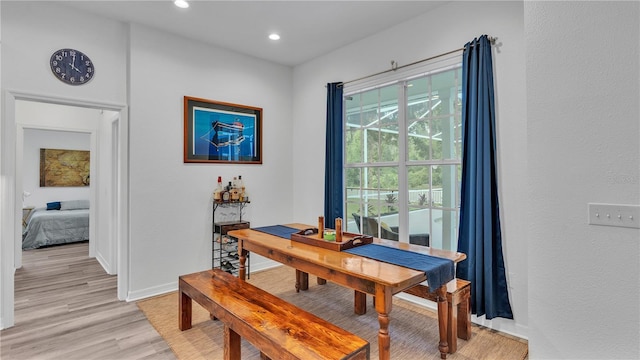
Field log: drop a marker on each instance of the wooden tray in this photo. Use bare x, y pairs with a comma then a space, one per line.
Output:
349, 240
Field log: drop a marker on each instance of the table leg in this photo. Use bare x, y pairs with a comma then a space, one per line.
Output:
298, 281
302, 281
242, 272
383, 307
452, 331
443, 346
184, 318
359, 303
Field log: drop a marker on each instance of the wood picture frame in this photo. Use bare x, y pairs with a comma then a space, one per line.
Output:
220, 132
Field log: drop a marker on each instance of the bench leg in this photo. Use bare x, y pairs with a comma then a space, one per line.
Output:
184, 305
321, 281
232, 344
264, 357
464, 319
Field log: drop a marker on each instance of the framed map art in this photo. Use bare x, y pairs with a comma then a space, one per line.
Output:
218, 132
59, 167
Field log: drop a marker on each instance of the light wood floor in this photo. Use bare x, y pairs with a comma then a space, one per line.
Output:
66, 307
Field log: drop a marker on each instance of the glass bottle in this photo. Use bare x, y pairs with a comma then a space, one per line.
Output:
241, 187
226, 193
235, 194
217, 194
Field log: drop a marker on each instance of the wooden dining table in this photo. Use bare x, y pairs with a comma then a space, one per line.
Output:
364, 275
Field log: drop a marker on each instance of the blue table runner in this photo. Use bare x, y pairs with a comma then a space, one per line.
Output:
439, 271
277, 230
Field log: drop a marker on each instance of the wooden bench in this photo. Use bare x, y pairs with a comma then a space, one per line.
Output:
277, 328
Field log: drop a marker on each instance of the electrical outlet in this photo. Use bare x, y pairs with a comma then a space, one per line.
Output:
615, 215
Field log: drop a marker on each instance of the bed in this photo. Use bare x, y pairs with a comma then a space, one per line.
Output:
61, 223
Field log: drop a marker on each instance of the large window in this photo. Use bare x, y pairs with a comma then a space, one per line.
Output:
403, 158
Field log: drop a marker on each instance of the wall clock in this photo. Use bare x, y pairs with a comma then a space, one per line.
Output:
72, 67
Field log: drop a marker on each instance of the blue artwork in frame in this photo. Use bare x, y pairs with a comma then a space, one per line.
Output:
218, 132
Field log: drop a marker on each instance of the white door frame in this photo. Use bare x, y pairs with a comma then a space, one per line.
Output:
11, 207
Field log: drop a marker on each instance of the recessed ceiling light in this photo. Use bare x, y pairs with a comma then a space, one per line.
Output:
181, 4
274, 36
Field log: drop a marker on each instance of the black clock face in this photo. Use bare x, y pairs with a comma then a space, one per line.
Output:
72, 66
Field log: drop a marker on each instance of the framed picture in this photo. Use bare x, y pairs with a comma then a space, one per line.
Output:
218, 132
60, 167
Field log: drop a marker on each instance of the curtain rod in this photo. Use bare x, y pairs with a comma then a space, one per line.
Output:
394, 65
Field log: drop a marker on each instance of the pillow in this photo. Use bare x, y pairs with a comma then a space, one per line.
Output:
53, 205
385, 226
74, 204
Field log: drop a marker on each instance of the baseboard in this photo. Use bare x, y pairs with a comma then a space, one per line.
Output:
170, 287
152, 291
105, 264
264, 266
501, 325
257, 266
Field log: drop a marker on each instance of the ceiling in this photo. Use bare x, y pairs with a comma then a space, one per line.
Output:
308, 29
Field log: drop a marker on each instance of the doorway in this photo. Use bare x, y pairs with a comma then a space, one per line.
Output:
109, 137
67, 179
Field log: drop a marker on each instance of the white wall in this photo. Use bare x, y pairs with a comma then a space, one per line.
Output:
171, 202
33, 30
446, 28
6, 299
34, 140
108, 171
583, 137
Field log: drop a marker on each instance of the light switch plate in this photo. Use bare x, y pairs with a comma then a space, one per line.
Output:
614, 215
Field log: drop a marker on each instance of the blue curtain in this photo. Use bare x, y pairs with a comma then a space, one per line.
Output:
479, 233
333, 202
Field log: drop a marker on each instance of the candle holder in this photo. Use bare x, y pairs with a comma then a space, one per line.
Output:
321, 226
338, 229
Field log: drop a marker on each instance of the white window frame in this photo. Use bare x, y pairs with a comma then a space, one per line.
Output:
400, 77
